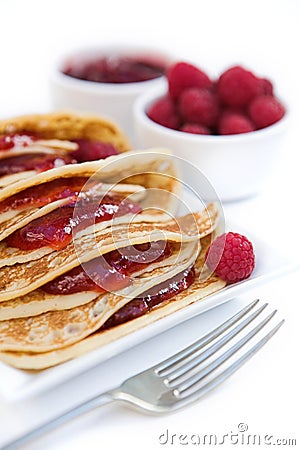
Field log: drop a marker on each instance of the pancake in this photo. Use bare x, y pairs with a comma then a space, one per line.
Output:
12, 255
20, 279
57, 329
47, 147
162, 188
200, 288
54, 132
13, 178
66, 125
38, 301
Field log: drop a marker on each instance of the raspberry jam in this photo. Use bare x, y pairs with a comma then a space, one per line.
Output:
56, 229
38, 161
44, 193
90, 150
155, 296
16, 140
109, 272
115, 69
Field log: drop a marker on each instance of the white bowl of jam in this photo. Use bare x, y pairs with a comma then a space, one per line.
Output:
107, 80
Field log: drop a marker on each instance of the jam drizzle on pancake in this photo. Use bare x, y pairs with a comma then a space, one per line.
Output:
110, 272
57, 228
16, 140
37, 161
155, 296
45, 193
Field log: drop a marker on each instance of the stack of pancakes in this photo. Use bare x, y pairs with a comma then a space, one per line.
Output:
40, 328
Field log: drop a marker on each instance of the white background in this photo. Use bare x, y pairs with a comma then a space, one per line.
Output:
261, 34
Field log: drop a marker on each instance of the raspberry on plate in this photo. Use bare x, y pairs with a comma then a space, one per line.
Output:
198, 106
163, 112
231, 257
266, 87
265, 110
195, 128
183, 75
238, 86
235, 123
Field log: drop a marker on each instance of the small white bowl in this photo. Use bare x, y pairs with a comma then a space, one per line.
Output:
237, 166
111, 100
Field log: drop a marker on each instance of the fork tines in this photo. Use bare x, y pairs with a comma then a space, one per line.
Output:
197, 369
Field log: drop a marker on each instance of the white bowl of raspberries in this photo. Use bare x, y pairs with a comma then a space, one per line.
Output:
232, 128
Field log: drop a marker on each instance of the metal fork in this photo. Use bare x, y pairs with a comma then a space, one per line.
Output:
184, 377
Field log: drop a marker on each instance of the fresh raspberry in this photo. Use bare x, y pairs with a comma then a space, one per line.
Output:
198, 106
163, 111
231, 257
194, 128
183, 75
265, 110
237, 86
234, 123
266, 86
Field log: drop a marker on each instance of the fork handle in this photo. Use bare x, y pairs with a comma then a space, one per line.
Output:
72, 413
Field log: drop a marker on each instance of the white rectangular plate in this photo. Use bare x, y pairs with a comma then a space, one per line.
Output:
16, 384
